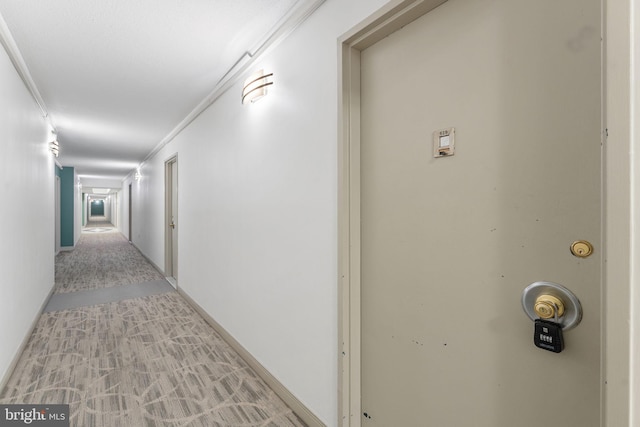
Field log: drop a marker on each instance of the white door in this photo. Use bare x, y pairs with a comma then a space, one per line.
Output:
171, 181
448, 244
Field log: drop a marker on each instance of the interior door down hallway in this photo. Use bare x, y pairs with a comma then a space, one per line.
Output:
448, 244
171, 217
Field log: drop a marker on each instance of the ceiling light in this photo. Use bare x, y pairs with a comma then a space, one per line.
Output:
101, 190
54, 146
255, 87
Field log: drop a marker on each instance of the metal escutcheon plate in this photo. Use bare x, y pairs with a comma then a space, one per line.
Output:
573, 309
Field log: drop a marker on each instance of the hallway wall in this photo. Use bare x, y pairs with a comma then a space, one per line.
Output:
70, 208
68, 233
77, 208
258, 210
27, 211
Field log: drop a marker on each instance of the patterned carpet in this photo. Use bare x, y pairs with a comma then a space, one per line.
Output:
102, 258
150, 361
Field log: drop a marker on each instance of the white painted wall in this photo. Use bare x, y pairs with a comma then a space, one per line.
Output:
148, 208
113, 208
107, 208
258, 210
27, 212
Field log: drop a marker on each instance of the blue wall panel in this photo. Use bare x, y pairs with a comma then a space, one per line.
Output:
97, 208
66, 206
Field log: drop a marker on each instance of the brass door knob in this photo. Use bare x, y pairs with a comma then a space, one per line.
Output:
552, 302
548, 307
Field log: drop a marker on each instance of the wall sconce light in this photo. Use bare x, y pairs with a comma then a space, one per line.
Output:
255, 87
54, 146
137, 176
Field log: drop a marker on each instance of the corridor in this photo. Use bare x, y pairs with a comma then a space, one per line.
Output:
352, 194
119, 345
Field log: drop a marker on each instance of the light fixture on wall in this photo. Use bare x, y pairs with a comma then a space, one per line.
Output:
54, 146
137, 176
255, 87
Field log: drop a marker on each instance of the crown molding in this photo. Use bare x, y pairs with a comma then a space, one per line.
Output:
298, 13
10, 46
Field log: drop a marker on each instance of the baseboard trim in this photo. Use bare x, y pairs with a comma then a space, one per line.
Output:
161, 271
25, 341
171, 280
298, 407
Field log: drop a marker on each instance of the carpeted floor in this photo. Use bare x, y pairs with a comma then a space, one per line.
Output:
147, 361
102, 258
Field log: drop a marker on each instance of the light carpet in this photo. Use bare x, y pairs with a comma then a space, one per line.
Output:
102, 258
144, 361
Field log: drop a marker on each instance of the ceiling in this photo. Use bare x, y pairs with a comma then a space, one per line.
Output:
118, 76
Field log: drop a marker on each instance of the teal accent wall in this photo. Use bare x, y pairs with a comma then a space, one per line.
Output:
97, 207
66, 206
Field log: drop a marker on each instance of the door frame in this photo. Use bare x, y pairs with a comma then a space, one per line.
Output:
169, 164
621, 385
